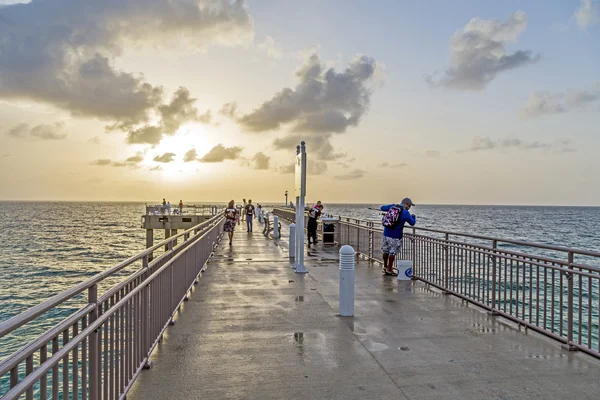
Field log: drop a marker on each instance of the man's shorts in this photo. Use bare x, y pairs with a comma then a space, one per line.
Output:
391, 246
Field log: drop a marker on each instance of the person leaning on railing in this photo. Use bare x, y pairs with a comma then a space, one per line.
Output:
392, 231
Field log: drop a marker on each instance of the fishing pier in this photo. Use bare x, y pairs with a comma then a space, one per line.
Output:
481, 318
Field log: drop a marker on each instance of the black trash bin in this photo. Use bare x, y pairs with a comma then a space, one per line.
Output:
328, 233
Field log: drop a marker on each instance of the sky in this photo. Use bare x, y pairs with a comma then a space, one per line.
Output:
447, 102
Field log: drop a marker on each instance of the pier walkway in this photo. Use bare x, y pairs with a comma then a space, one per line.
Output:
254, 329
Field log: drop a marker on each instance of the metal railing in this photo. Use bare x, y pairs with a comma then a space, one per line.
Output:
98, 351
554, 290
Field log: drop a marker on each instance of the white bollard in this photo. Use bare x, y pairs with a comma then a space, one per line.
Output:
292, 243
275, 227
346, 281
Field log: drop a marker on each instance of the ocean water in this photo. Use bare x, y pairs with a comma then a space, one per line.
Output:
48, 247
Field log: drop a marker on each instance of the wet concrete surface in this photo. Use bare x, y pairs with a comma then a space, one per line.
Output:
253, 329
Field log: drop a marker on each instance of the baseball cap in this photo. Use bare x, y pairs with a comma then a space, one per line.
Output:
408, 201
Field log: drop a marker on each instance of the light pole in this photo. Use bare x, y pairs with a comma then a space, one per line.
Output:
286, 198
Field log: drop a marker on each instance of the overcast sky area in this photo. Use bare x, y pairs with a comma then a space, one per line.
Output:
448, 102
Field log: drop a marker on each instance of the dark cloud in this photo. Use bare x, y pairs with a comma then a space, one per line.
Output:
546, 103
484, 144
61, 53
190, 155
478, 53
354, 174
261, 161
220, 153
138, 158
323, 101
41, 132
165, 158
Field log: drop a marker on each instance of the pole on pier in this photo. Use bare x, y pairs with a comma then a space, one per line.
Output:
150, 242
346, 281
167, 235
275, 227
300, 198
173, 233
292, 241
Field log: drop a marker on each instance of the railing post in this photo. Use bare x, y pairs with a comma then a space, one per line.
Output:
146, 314
569, 346
370, 227
93, 345
494, 272
446, 265
413, 242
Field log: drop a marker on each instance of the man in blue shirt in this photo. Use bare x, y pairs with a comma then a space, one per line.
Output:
392, 236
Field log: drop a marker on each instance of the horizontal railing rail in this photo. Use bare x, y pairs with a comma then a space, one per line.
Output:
98, 351
556, 292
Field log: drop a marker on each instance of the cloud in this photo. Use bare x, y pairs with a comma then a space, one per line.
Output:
220, 153
229, 110
61, 53
354, 174
190, 155
261, 161
432, 153
272, 48
546, 103
41, 132
157, 168
318, 146
478, 53
323, 101
587, 14
131, 162
103, 162
485, 144
94, 140
388, 165
312, 168
165, 158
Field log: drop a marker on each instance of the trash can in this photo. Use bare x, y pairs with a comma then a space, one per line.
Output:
404, 270
329, 230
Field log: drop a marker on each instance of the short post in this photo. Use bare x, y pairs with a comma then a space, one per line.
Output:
292, 246
275, 227
346, 281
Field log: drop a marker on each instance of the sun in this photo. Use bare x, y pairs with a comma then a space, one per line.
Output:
190, 137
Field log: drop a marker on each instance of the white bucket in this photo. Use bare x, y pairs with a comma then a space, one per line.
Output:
404, 270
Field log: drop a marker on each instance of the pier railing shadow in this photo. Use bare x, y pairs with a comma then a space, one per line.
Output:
553, 290
99, 350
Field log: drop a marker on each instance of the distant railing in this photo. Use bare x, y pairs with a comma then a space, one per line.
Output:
188, 209
98, 351
555, 292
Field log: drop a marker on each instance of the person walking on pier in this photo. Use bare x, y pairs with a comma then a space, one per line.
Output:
180, 206
231, 217
244, 210
311, 226
249, 211
396, 215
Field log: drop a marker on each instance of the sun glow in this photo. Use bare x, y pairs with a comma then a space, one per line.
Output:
191, 137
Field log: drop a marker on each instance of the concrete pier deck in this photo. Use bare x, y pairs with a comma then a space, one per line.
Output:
253, 329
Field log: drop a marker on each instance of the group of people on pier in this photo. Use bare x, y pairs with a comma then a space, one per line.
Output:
394, 218
234, 215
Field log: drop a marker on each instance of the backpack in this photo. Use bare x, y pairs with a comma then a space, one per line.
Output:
392, 217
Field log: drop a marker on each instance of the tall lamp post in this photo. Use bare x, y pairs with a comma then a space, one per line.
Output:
286, 198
